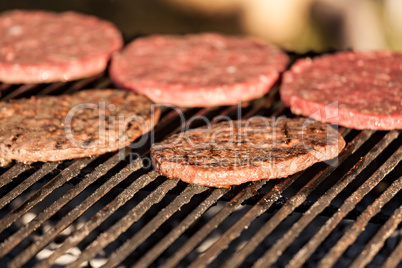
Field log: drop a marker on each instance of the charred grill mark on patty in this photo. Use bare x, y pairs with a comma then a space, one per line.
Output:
247, 152
196, 148
286, 132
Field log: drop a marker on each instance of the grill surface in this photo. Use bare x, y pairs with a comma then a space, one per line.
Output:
113, 212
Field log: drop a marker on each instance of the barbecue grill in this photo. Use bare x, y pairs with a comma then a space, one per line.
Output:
116, 211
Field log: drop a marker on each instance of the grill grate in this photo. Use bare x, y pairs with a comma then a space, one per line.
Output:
123, 213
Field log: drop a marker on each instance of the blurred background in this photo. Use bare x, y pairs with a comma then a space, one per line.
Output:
295, 25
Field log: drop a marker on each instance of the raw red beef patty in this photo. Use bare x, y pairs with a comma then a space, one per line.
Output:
41, 47
361, 90
198, 70
231, 153
87, 123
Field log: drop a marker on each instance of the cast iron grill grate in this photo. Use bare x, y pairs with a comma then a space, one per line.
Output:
118, 212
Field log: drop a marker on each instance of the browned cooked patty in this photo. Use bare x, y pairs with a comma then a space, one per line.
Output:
42, 47
90, 122
231, 153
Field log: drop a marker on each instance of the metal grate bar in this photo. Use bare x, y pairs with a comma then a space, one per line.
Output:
19, 167
105, 82
305, 252
76, 86
25, 184
233, 232
201, 113
245, 194
72, 171
350, 236
280, 246
279, 109
226, 112
293, 203
50, 88
131, 244
13, 172
377, 242
20, 90
4, 87
101, 215
171, 116
99, 171
201, 234
395, 258
165, 120
124, 223
262, 202
166, 241
83, 83
268, 101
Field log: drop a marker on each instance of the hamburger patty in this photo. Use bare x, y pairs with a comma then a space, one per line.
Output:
231, 153
361, 90
41, 47
87, 123
198, 70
